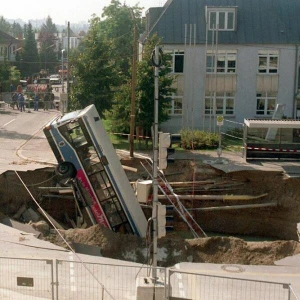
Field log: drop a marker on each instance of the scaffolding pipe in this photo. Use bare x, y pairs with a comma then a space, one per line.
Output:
233, 207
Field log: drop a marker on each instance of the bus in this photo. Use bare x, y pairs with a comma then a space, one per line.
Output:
86, 155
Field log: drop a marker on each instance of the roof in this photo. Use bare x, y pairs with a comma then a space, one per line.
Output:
271, 123
258, 22
6, 38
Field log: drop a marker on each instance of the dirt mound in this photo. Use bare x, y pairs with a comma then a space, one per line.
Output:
173, 249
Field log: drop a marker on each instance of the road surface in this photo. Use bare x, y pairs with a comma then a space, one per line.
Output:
16, 130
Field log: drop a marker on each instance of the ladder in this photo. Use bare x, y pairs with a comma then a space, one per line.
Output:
167, 190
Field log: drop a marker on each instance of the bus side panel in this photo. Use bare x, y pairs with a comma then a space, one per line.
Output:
69, 155
96, 208
116, 172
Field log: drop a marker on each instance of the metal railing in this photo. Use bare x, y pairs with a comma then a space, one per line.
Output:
68, 279
211, 287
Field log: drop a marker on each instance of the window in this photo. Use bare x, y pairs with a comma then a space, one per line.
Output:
219, 103
176, 105
221, 18
226, 62
268, 62
265, 103
177, 60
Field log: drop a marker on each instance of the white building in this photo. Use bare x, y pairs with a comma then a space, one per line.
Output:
235, 58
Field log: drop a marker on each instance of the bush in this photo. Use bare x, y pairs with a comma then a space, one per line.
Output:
197, 139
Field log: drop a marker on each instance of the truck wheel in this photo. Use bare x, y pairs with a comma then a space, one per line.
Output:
65, 170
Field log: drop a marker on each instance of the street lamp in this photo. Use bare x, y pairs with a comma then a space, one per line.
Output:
62, 69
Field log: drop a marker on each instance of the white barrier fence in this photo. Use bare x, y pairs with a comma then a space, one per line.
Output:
58, 279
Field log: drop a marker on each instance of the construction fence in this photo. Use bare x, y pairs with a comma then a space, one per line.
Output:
61, 279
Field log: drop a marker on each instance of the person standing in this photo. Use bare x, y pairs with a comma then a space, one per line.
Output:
36, 102
14, 102
46, 101
21, 101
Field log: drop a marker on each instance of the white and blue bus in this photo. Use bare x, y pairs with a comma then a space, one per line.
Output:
85, 153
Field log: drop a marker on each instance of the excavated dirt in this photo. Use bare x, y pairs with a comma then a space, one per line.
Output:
275, 226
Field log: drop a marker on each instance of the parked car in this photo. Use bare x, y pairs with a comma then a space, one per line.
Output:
55, 79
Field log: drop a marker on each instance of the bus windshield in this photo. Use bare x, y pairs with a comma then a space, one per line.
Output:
83, 150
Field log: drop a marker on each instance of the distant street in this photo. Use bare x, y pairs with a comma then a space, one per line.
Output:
16, 129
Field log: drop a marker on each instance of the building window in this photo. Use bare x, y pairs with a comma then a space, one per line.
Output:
226, 62
221, 18
268, 62
219, 103
265, 103
177, 60
176, 105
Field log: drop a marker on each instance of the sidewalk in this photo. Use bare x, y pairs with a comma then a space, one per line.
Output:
38, 150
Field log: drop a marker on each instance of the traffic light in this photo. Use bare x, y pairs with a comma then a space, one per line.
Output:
165, 150
161, 220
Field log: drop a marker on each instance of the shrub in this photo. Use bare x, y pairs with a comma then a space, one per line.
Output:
197, 139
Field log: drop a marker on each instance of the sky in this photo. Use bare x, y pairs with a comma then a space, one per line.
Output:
62, 11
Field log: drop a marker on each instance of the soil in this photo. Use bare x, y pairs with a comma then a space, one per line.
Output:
275, 226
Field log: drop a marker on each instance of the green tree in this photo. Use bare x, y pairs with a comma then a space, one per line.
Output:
48, 49
145, 87
119, 115
117, 26
49, 26
121, 110
93, 68
29, 58
17, 30
4, 25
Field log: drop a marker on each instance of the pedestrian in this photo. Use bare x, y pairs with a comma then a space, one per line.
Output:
36, 102
46, 101
21, 101
14, 101
12, 88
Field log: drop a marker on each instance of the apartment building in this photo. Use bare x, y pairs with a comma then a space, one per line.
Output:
234, 58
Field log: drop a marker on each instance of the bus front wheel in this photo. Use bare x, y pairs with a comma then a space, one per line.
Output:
65, 170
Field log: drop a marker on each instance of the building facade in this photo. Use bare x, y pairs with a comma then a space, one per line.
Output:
8, 47
234, 58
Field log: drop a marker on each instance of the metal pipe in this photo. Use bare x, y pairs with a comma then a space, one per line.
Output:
232, 207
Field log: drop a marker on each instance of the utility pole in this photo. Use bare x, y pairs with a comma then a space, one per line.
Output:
68, 50
155, 159
133, 85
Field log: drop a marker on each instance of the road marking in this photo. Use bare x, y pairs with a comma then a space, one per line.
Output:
8, 123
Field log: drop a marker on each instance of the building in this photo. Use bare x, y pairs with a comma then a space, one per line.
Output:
235, 58
8, 47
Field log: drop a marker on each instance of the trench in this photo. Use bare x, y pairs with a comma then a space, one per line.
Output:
263, 223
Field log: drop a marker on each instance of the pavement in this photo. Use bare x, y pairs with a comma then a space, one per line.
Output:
38, 150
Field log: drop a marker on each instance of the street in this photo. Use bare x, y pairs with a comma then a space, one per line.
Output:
16, 129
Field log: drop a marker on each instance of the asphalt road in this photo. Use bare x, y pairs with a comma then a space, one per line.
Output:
17, 132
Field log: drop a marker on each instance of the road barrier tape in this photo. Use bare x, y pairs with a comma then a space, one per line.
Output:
272, 149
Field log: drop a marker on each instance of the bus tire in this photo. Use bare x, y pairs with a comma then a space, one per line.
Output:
65, 170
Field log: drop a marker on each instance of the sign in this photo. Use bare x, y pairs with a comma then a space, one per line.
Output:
220, 120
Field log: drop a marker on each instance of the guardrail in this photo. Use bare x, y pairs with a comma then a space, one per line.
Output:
67, 279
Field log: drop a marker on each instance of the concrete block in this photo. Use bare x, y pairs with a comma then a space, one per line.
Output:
148, 289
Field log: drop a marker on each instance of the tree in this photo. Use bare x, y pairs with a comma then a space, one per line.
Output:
29, 57
120, 113
4, 25
49, 27
48, 49
93, 68
17, 30
145, 88
117, 26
